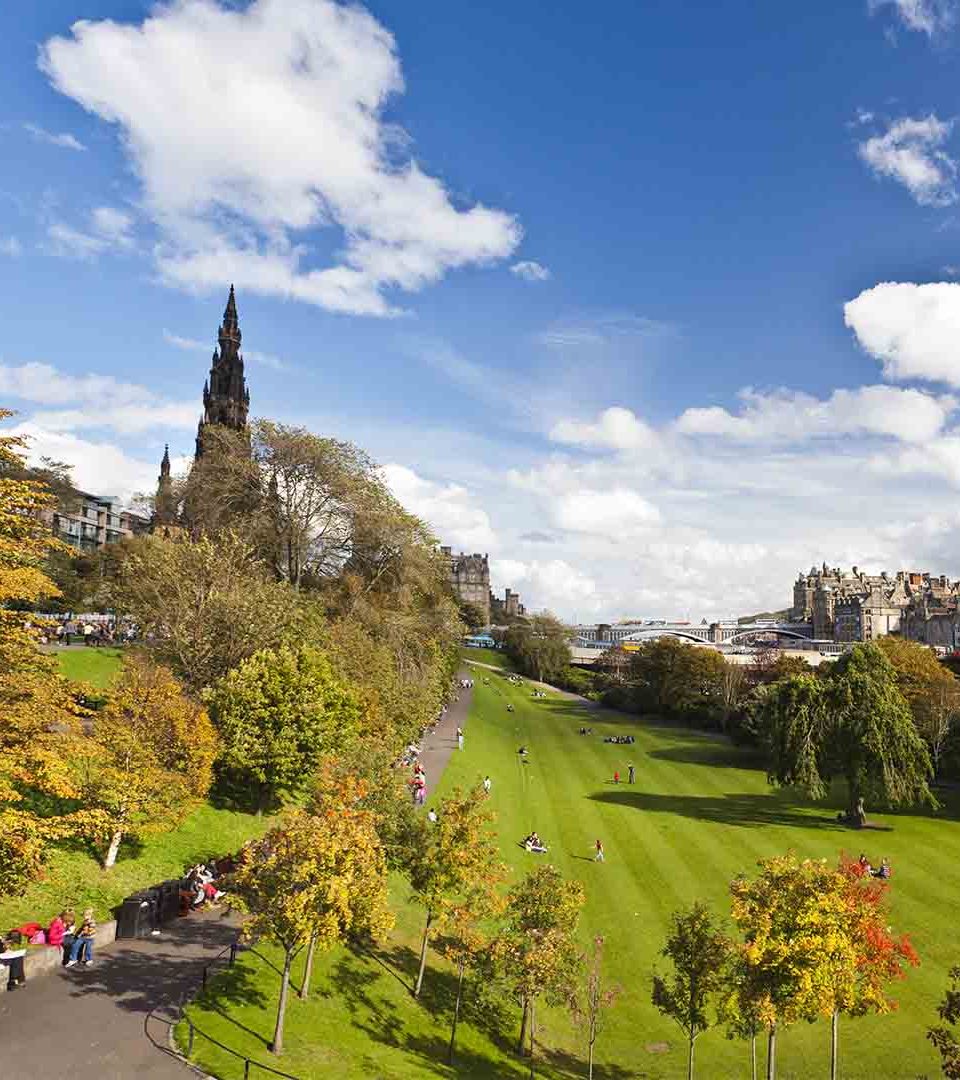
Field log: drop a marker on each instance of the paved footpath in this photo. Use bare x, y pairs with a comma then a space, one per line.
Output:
436, 748
111, 1021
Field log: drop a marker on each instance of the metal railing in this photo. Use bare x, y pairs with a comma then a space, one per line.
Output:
193, 1029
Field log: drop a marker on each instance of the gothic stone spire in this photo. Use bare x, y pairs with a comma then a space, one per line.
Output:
226, 400
164, 505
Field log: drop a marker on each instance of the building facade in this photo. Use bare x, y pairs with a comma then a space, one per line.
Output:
94, 522
470, 579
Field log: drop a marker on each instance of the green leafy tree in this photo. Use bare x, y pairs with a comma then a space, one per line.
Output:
592, 1000
203, 604
698, 952
854, 724
451, 860
277, 714
536, 951
540, 646
670, 677
944, 1037
310, 881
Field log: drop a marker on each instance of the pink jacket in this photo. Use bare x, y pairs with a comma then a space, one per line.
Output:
55, 933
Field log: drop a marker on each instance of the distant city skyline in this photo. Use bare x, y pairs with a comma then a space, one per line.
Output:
654, 307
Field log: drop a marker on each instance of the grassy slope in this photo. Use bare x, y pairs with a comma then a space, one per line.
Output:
98, 666
694, 820
493, 657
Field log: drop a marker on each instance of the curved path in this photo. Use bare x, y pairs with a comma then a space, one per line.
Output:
111, 1021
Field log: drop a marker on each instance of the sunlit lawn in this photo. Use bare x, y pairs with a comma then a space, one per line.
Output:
493, 657
698, 815
98, 666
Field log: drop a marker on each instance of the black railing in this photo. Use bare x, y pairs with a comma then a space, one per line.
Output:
193, 1030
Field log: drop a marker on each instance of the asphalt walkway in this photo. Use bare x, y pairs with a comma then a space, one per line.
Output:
111, 1021
437, 746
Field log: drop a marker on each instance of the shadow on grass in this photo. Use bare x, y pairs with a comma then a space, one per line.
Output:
739, 809
714, 754
570, 1065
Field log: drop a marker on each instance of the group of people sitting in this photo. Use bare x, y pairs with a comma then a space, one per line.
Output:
535, 844
75, 943
882, 871
620, 740
200, 888
418, 785
539, 693
586, 731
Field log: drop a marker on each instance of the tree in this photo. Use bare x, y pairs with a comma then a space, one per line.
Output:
472, 615
878, 956
146, 763
450, 860
536, 951
942, 1037
278, 712
698, 952
854, 724
204, 604
932, 690
313, 879
733, 687
614, 663
592, 1000
792, 918
540, 646
671, 677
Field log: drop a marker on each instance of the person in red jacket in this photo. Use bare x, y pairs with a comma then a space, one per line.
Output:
56, 930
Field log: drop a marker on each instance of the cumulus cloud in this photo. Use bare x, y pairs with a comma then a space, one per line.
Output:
910, 153
554, 584
791, 416
62, 139
930, 17
449, 509
253, 128
604, 513
616, 428
530, 270
91, 401
913, 330
109, 229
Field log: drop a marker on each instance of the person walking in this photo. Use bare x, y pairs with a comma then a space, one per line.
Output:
487, 784
616, 777
460, 737
632, 775
599, 848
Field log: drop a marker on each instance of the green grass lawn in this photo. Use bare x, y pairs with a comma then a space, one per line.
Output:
74, 878
698, 815
98, 666
493, 657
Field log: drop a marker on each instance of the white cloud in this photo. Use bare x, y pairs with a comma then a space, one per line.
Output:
109, 230
10, 246
615, 513
553, 584
603, 331
91, 401
449, 509
252, 128
791, 416
913, 330
930, 17
615, 429
64, 140
910, 153
530, 270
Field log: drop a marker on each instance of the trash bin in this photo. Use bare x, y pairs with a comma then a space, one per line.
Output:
169, 900
139, 914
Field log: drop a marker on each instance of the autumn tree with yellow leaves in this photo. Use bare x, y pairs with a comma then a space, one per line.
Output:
314, 879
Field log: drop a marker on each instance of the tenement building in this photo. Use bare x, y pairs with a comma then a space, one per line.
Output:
470, 579
855, 606
92, 521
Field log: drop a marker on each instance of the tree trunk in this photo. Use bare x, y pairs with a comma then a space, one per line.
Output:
277, 1045
690, 1061
112, 850
523, 1028
590, 1059
834, 1024
853, 798
308, 967
772, 1053
456, 1014
532, 1000
753, 1056
423, 955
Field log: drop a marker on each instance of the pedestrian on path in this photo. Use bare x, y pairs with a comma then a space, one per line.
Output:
632, 775
460, 737
616, 777
487, 784
599, 855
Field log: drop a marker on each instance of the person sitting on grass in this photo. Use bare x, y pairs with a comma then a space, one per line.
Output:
535, 844
12, 952
883, 870
82, 948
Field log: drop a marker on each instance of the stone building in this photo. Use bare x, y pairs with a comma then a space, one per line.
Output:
470, 579
93, 521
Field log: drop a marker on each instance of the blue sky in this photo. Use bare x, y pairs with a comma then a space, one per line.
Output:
655, 304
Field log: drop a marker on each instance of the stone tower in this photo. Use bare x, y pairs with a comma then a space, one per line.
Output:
226, 399
470, 579
164, 506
